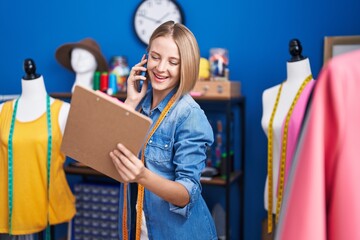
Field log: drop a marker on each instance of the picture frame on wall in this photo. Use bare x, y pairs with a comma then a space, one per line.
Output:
336, 45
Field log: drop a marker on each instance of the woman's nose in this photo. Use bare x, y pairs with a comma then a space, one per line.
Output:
161, 66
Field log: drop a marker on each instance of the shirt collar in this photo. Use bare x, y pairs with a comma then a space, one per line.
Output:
146, 104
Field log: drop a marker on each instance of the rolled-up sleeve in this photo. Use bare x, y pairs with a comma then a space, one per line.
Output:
193, 136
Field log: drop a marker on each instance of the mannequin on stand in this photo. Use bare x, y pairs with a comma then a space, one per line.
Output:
283, 109
83, 58
34, 192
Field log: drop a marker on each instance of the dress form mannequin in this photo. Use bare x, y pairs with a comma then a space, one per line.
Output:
84, 64
298, 69
32, 103
35, 144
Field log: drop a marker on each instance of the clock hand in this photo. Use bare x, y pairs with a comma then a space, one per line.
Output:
159, 21
149, 18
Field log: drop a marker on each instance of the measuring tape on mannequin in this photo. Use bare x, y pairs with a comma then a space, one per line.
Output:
283, 154
11, 163
140, 197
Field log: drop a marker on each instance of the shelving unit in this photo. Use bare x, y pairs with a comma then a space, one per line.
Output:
224, 105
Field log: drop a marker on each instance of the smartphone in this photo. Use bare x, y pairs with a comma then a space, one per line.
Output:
145, 65
143, 74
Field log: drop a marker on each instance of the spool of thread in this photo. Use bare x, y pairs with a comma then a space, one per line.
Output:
112, 84
218, 156
104, 82
97, 80
219, 139
223, 165
219, 126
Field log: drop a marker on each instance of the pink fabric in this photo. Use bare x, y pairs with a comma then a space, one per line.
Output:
322, 199
294, 128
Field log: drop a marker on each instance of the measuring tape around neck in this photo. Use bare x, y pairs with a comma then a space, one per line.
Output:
270, 161
283, 154
11, 162
140, 197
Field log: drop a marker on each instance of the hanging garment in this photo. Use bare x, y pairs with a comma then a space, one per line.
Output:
322, 197
294, 127
30, 204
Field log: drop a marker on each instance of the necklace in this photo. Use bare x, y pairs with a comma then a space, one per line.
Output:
140, 198
283, 154
11, 161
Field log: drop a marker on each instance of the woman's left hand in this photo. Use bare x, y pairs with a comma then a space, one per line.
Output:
130, 168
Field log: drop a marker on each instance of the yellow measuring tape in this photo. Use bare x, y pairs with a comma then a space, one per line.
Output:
270, 161
283, 154
11, 162
140, 197
125, 235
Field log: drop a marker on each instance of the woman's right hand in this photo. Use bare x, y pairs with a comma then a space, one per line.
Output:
134, 97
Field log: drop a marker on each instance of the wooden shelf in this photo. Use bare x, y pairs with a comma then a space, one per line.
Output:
122, 96
84, 171
220, 181
87, 171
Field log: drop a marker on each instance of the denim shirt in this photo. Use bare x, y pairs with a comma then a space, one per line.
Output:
177, 151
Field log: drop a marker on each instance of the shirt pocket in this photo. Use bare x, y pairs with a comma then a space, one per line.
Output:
159, 149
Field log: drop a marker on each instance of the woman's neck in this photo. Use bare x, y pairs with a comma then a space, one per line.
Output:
298, 71
33, 89
155, 100
158, 96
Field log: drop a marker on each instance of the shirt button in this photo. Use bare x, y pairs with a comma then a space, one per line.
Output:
150, 141
166, 145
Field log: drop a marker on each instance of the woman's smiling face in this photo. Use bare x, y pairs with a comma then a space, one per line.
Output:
163, 65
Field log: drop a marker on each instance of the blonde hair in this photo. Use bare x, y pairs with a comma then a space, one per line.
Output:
188, 50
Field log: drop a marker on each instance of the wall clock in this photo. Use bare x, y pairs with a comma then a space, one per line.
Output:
151, 13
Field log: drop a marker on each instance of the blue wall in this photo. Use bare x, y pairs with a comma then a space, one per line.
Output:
256, 33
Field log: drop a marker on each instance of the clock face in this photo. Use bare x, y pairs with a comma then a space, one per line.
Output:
151, 13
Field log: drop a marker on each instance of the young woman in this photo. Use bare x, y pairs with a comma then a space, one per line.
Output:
169, 202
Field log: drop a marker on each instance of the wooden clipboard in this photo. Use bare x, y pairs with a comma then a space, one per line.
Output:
95, 124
